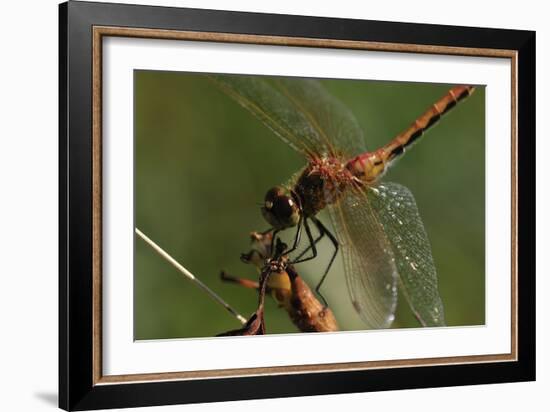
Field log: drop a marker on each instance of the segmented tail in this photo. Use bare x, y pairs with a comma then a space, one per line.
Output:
372, 165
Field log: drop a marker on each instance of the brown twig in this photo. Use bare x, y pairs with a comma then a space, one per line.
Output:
282, 281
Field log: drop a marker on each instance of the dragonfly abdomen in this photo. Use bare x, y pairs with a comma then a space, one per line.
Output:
370, 166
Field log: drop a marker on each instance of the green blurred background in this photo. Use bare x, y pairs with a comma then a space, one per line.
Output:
203, 164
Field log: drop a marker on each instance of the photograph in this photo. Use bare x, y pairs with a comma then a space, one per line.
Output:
283, 205
264, 205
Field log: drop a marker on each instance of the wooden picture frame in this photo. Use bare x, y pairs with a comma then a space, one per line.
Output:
82, 384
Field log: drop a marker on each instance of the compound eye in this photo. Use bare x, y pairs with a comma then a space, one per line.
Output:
272, 194
280, 209
283, 207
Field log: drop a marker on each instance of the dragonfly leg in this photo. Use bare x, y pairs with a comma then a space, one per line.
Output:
312, 245
273, 243
274, 252
296, 238
314, 242
334, 241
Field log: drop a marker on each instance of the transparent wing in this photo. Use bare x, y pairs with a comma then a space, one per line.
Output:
369, 266
332, 120
300, 111
396, 210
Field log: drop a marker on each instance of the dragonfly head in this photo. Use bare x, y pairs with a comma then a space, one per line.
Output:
281, 208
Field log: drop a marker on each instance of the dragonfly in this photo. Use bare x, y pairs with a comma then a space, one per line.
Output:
377, 226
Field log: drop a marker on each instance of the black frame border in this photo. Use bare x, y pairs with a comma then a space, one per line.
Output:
76, 387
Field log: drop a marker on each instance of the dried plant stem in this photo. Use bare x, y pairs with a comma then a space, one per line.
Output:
190, 276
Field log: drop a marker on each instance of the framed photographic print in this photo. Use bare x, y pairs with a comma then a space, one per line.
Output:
258, 205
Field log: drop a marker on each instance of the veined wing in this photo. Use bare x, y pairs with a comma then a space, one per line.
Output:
300, 111
369, 265
396, 210
331, 119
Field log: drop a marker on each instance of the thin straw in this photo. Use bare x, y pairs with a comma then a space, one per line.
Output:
190, 276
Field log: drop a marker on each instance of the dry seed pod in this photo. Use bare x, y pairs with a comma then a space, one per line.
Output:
287, 288
254, 326
305, 310
256, 323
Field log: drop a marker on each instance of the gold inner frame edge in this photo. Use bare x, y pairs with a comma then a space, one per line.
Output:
101, 31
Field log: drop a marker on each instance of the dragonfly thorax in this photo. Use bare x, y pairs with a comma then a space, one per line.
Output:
322, 183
